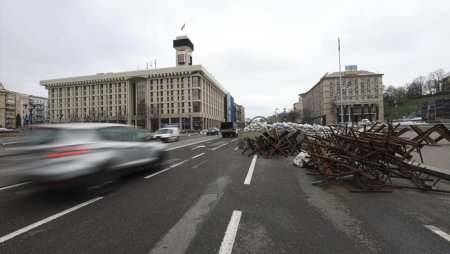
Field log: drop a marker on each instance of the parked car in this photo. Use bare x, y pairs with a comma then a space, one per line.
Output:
212, 131
167, 134
364, 122
81, 154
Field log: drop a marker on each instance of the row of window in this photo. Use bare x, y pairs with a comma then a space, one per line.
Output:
354, 81
93, 89
112, 111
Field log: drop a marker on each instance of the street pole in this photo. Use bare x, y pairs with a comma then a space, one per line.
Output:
180, 120
340, 82
349, 114
349, 103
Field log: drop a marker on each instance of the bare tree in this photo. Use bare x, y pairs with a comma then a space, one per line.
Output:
417, 86
388, 95
435, 78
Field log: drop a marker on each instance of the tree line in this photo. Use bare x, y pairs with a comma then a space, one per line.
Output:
436, 83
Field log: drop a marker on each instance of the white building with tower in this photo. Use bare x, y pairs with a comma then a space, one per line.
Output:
186, 95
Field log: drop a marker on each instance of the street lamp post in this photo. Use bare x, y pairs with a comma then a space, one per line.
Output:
347, 85
276, 115
179, 119
32, 107
340, 82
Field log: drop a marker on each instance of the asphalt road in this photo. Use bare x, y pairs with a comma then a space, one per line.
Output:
205, 200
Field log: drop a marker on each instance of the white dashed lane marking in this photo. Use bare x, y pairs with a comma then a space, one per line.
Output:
219, 146
46, 220
164, 170
438, 232
13, 186
230, 235
248, 179
198, 155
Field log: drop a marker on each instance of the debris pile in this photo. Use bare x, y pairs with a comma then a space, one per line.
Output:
270, 142
375, 158
280, 127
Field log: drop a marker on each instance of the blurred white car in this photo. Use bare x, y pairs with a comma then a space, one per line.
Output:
364, 122
167, 134
68, 154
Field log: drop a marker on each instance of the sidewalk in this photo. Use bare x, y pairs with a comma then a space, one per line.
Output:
438, 157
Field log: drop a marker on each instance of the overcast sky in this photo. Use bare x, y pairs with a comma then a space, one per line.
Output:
263, 52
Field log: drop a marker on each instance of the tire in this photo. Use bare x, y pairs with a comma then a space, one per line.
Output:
101, 182
156, 166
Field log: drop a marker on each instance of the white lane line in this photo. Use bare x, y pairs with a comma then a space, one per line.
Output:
198, 147
178, 164
167, 162
438, 232
179, 237
15, 185
173, 148
233, 140
198, 155
46, 220
230, 234
248, 179
219, 146
164, 170
236, 148
157, 173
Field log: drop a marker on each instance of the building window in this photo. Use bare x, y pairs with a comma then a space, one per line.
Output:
196, 94
195, 82
196, 106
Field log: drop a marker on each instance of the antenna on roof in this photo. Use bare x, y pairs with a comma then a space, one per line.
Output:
155, 63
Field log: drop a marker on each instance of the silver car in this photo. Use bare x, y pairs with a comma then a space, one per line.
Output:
68, 154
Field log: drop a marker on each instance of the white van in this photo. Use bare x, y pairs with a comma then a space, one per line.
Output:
167, 134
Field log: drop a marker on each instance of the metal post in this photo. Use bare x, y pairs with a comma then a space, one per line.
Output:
349, 104
340, 82
180, 120
349, 114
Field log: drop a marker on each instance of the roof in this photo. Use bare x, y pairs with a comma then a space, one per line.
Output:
123, 76
360, 73
342, 74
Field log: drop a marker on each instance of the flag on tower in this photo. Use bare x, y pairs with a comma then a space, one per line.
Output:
184, 25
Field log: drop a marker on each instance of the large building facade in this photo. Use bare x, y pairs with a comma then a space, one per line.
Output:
31, 109
298, 110
362, 98
240, 115
8, 104
186, 95
34, 109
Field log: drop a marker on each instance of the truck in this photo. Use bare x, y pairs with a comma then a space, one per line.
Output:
228, 129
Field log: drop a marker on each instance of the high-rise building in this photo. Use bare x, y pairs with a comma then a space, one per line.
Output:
186, 95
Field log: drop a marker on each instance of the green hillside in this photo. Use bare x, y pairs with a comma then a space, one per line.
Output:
411, 106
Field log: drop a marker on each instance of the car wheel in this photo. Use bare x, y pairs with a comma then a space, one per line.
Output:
157, 165
101, 182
